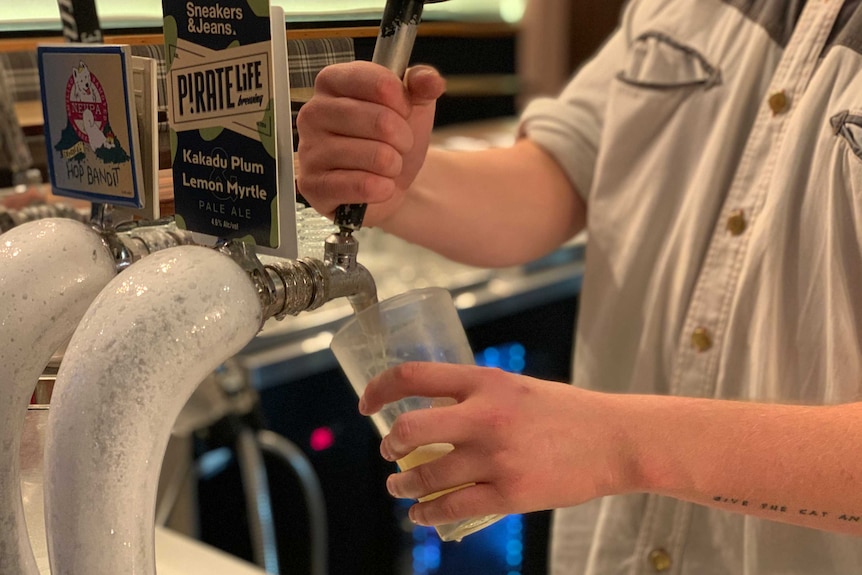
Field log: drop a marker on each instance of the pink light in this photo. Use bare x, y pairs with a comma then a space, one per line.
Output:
322, 438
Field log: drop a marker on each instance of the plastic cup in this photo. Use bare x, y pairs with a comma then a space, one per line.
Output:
419, 325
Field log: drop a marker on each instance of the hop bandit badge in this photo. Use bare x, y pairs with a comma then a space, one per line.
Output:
91, 136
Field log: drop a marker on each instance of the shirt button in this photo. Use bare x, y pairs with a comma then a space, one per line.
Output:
659, 559
736, 222
701, 339
778, 103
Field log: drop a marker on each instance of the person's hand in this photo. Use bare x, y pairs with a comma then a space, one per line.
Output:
364, 134
525, 443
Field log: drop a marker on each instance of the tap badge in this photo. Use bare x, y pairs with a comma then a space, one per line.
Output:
88, 129
91, 122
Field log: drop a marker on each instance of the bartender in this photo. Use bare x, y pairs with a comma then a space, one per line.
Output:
711, 150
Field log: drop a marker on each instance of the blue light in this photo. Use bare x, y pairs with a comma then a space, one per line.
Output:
516, 364
515, 544
492, 357
426, 551
514, 524
426, 558
508, 356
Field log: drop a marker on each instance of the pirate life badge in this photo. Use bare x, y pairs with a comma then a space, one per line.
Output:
90, 136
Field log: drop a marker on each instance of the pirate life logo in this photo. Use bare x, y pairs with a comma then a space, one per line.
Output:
88, 129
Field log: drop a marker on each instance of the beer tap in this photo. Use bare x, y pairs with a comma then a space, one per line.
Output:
395, 39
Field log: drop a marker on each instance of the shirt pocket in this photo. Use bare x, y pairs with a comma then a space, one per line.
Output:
660, 111
658, 62
843, 174
847, 125
662, 81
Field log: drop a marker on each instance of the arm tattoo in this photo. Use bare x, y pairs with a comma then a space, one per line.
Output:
739, 504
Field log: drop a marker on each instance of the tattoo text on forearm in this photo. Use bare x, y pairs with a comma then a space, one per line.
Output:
784, 509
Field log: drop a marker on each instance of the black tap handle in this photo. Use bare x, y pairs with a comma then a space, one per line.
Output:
350, 216
392, 49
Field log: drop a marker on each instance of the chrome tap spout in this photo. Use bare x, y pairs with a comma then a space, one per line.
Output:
306, 284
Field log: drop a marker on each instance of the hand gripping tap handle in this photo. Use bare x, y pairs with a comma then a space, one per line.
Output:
392, 50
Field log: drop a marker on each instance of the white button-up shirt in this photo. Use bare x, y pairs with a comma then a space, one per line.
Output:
718, 145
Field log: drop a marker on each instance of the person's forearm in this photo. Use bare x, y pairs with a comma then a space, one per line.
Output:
794, 464
490, 208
